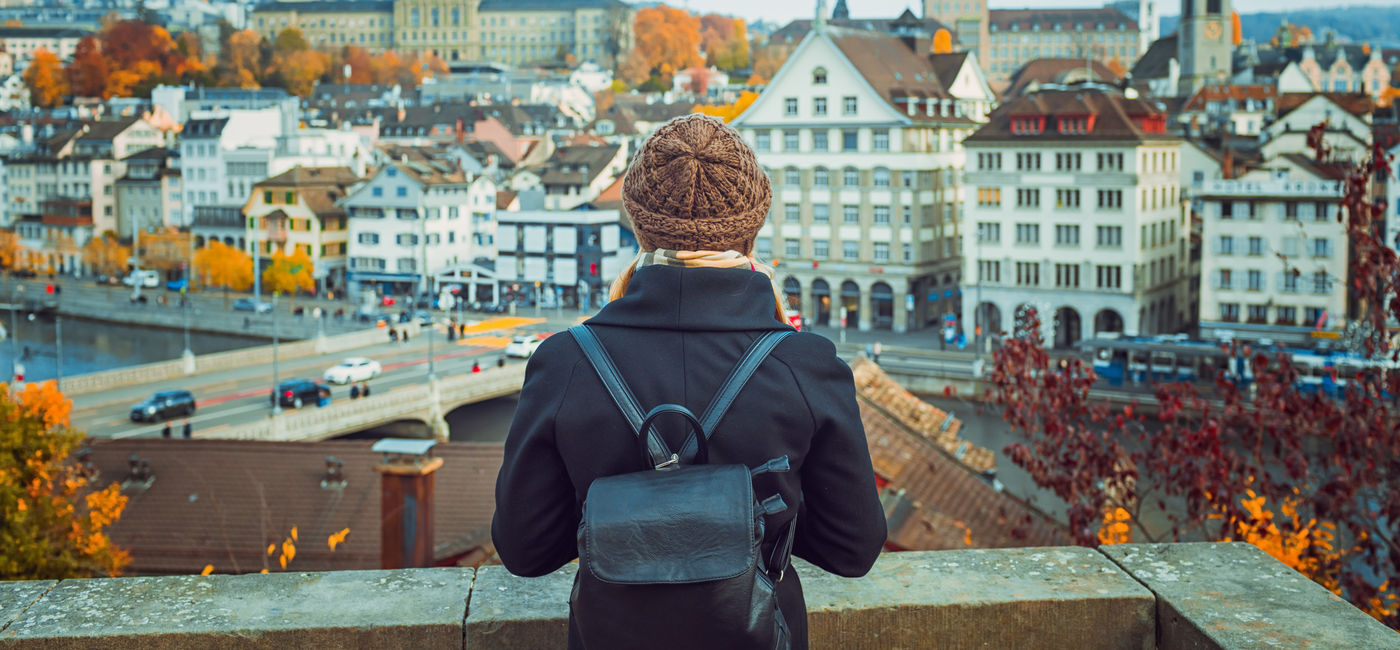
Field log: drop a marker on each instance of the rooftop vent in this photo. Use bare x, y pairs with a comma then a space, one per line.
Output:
334, 477
138, 474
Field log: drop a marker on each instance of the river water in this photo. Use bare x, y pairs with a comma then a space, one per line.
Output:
90, 346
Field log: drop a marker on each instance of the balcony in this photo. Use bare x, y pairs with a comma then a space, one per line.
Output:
218, 216
66, 212
1129, 596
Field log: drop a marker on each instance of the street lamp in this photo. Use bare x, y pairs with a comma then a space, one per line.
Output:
432, 363
276, 399
15, 289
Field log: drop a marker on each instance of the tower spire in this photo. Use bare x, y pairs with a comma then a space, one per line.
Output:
840, 12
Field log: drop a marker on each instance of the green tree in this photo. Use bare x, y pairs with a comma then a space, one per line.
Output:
52, 522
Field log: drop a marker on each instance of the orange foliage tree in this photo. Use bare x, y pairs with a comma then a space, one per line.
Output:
289, 273
667, 40
105, 255
10, 249
728, 112
128, 57
46, 79
240, 60
767, 61
221, 265
725, 41
942, 42
55, 522
1236, 32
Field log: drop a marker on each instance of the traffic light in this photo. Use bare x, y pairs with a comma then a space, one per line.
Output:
593, 268
48, 288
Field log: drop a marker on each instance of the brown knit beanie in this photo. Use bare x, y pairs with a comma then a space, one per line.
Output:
695, 186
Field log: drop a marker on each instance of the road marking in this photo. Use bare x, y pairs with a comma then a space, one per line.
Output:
487, 341
501, 323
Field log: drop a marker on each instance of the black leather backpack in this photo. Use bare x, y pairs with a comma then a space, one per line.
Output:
669, 556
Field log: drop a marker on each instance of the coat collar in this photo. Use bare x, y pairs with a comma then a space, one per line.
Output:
707, 299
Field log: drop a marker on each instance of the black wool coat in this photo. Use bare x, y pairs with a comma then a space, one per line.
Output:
674, 337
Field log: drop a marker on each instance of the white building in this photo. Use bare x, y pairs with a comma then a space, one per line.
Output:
1275, 262
551, 257
861, 133
1348, 118
1073, 208
415, 215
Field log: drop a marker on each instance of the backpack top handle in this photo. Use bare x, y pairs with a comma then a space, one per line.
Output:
701, 457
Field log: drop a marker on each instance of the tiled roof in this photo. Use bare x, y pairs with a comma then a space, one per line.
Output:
1358, 104
1154, 63
103, 130
1050, 71
577, 165
893, 69
1114, 116
221, 502
504, 198
659, 112
321, 187
797, 29
1068, 20
611, 197
622, 119
433, 172
328, 6
204, 128
934, 496
1228, 92
482, 149
1325, 171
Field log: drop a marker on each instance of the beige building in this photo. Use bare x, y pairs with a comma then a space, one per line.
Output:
519, 32
299, 210
1019, 36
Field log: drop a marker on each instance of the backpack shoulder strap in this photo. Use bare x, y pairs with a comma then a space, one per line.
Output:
622, 395
733, 384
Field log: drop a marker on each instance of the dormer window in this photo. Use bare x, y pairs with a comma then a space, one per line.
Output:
819, 77
1027, 125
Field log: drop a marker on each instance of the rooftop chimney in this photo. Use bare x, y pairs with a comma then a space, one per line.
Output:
406, 502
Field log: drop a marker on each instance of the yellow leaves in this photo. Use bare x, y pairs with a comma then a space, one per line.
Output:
728, 112
208, 569
289, 273
294, 533
220, 265
263, 571
106, 255
336, 539
289, 550
271, 548
43, 401
47, 81
942, 42
1115, 528
21, 506
282, 560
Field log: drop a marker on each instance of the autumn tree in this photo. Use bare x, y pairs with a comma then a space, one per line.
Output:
221, 265
240, 60
55, 521
87, 74
767, 61
728, 112
105, 255
1296, 472
10, 249
725, 42
289, 273
667, 41
47, 81
942, 42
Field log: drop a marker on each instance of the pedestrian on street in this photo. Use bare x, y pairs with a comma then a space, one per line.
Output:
355, 391
876, 359
501, 361
365, 391
405, 335
476, 367
451, 334
246, 322
165, 432
462, 330
393, 334
188, 430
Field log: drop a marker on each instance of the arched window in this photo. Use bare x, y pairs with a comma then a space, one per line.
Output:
821, 177
819, 77
882, 177
850, 176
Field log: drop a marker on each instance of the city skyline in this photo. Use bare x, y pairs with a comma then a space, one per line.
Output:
782, 11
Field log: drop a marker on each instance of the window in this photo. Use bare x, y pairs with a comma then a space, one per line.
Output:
989, 196
850, 251
1256, 246
989, 161
1109, 277
1230, 312
821, 177
850, 214
850, 176
1320, 283
1287, 316
850, 140
1290, 210
1290, 282
1028, 161
882, 251
1110, 199
881, 177
1254, 280
790, 140
819, 106
1028, 198
821, 213
1226, 245
1027, 233
848, 105
407, 264
1322, 247
989, 233
1066, 198
401, 191
1110, 162
880, 140
376, 191
790, 106
1224, 279
1067, 275
791, 247
1314, 317
406, 240
1068, 161
791, 213
988, 271
1028, 274
906, 179
882, 215
819, 77
267, 197
907, 214
763, 140
1109, 236
1066, 235
819, 140
368, 238
1250, 210
821, 249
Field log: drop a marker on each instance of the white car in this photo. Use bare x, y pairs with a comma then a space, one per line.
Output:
148, 279
522, 346
352, 369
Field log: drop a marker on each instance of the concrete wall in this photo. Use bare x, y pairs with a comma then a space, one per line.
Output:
1139, 596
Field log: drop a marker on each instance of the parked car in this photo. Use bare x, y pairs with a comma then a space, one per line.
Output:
24, 273
352, 369
523, 346
163, 406
296, 392
423, 317
249, 304
177, 285
146, 278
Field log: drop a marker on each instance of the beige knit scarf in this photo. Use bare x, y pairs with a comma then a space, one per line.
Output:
697, 259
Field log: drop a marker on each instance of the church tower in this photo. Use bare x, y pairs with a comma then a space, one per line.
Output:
840, 12
1204, 44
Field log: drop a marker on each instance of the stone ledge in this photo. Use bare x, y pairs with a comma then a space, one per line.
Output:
1233, 595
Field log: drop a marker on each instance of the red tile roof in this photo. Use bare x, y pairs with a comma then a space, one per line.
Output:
1226, 92
221, 502
1358, 104
1051, 71
1116, 117
895, 71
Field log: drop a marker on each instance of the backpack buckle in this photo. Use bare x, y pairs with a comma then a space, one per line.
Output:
674, 460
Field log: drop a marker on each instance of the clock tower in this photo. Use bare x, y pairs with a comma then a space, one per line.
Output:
1204, 44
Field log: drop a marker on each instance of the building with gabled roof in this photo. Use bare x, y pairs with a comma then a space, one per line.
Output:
1057, 71
861, 134
1236, 109
300, 210
1348, 116
577, 174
